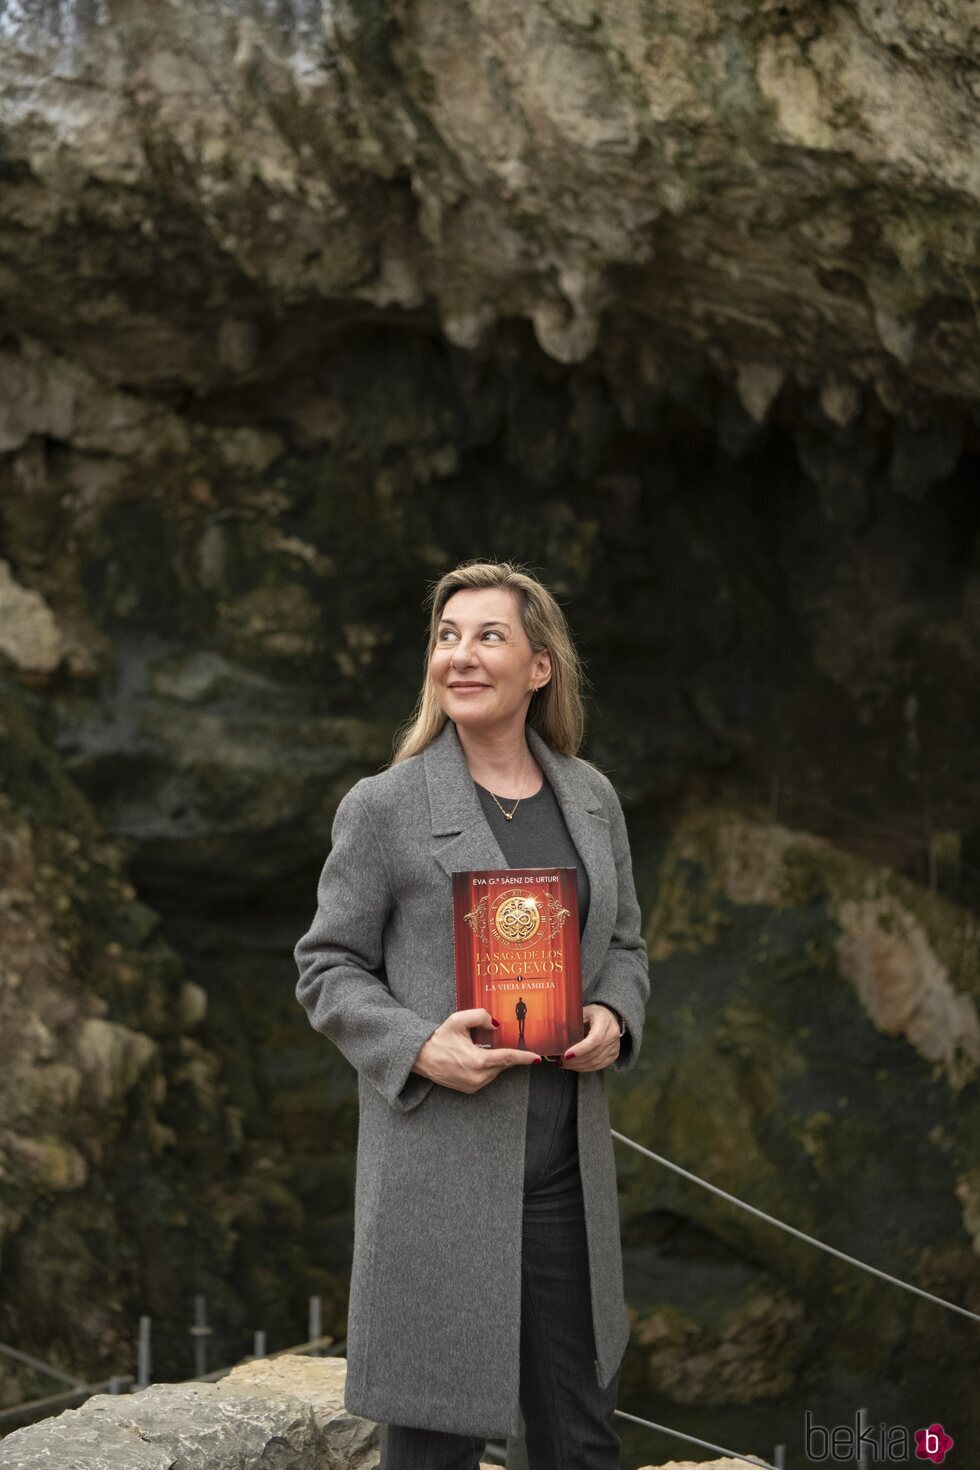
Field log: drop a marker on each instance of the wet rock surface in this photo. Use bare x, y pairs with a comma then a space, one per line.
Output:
299, 306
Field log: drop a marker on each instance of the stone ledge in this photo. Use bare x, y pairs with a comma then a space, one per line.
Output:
283, 1413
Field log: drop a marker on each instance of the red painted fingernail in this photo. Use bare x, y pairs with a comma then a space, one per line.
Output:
569, 1054
536, 1059
495, 1021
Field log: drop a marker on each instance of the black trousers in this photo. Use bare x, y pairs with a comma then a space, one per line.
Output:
567, 1416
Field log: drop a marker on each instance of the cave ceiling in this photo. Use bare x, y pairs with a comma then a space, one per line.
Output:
194, 193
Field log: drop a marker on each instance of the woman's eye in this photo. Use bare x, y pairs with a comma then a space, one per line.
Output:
447, 633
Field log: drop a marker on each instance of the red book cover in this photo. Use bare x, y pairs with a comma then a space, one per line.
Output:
516, 942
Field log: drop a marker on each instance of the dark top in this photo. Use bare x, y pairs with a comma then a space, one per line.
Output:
538, 837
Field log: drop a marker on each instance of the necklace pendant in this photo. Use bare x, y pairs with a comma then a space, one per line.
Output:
509, 816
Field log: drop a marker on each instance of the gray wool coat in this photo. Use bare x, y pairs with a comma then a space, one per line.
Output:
433, 1336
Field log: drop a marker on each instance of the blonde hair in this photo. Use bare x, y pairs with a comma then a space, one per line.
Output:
556, 710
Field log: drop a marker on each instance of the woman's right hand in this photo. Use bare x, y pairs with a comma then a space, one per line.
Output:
452, 1057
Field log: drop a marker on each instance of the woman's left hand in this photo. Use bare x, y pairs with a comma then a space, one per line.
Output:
600, 1046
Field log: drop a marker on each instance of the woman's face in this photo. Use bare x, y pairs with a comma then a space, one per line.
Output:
482, 666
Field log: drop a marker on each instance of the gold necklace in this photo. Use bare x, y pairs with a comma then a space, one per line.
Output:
510, 815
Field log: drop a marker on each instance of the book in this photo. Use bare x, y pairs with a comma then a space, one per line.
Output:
516, 952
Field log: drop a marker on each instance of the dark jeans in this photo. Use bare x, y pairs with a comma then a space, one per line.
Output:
567, 1416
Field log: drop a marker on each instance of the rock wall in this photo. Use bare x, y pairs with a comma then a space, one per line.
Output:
302, 304
792, 185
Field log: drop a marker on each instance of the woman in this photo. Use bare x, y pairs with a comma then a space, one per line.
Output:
487, 1270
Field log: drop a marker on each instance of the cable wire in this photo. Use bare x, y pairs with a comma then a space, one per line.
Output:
792, 1230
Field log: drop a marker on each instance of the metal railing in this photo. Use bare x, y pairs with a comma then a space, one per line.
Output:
792, 1230
318, 1344
780, 1451
31, 1410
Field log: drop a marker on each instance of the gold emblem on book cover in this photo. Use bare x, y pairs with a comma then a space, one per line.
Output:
517, 918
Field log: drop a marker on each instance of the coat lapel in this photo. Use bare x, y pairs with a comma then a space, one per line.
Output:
462, 838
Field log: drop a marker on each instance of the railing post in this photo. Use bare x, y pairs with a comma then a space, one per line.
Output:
200, 1333
143, 1366
315, 1329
